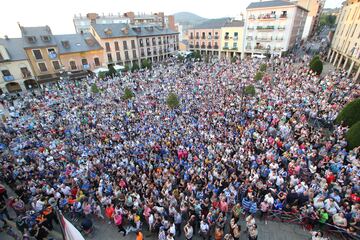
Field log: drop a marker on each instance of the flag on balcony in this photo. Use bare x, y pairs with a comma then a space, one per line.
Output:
69, 230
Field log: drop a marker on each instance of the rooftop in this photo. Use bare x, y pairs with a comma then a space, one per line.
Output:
71, 43
37, 36
14, 47
276, 3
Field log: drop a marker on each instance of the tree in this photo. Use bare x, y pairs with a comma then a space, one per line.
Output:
315, 58
350, 114
127, 68
172, 101
128, 94
234, 59
263, 67
249, 90
94, 88
258, 76
180, 58
135, 67
102, 75
327, 20
112, 72
353, 136
316, 66
145, 63
197, 55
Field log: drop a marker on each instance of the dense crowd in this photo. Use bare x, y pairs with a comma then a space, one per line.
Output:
221, 156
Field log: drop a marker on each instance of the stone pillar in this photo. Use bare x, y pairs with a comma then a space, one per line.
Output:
22, 85
328, 56
340, 60
346, 61
350, 68
357, 75
332, 56
336, 56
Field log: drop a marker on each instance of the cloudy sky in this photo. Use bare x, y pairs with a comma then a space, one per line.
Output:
58, 14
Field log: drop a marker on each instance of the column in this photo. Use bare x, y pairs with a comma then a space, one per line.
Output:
327, 58
4, 89
357, 74
351, 68
346, 61
22, 85
339, 63
332, 56
336, 56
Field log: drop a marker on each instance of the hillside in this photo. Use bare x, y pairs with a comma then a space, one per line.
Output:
187, 18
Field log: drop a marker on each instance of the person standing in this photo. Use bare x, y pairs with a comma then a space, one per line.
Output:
188, 231
139, 235
253, 232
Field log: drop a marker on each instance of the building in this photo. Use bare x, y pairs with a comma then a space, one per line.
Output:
79, 53
345, 47
42, 52
206, 37
315, 8
15, 70
232, 39
125, 44
83, 23
273, 27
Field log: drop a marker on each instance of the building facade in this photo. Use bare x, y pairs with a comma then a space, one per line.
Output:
315, 8
83, 23
79, 53
273, 27
124, 44
232, 39
15, 70
345, 47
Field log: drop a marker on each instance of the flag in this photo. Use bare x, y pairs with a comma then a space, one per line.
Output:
69, 230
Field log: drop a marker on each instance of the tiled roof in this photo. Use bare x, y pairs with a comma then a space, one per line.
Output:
71, 43
15, 48
38, 33
114, 30
276, 3
235, 23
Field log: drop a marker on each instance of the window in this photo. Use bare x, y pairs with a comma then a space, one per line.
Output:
134, 54
226, 45
125, 45
56, 65
72, 65
51, 50
226, 35
118, 56
25, 72
109, 57
236, 35
31, 39
148, 52
42, 67
141, 42
84, 61
159, 39
46, 38
6, 73
97, 61
126, 55
116, 46
37, 54
235, 45
107, 47
133, 44
153, 41
147, 42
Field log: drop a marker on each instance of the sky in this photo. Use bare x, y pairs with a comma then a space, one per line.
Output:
58, 14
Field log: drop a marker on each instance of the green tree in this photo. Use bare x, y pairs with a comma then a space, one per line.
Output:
263, 67
316, 66
172, 100
145, 63
197, 55
128, 94
135, 67
112, 72
258, 76
353, 136
127, 68
94, 88
249, 90
327, 20
102, 75
350, 114
234, 59
180, 58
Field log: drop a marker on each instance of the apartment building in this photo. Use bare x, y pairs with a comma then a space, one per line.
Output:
345, 47
83, 23
232, 39
42, 52
273, 27
206, 37
315, 8
15, 70
79, 53
126, 44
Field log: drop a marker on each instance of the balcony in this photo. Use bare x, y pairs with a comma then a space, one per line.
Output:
209, 37
249, 38
252, 17
209, 47
86, 66
149, 53
226, 37
225, 48
234, 49
216, 37
283, 16
281, 28
278, 49
26, 74
216, 47
248, 48
191, 46
265, 29
250, 28
197, 37
263, 39
142, 54
203, 37
9, 78
235, 38
267, 17
197, 46
203, 46
52, 55
191, 37
279, 39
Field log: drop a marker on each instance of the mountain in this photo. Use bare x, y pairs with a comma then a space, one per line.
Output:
188, 18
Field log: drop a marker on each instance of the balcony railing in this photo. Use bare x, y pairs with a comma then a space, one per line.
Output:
203, 37
216, 47
250, 28
197, 46
191, 37
226, 37
197, 37
264, 39
279, 39
203, 46
26, 74
216, 37
249, 38
209, 37
281, 28
267, 28
191, 46
52, 55
234, 48
209, 46
248, 48
283, 16
225, 48
9, 78
142, 54
267, 17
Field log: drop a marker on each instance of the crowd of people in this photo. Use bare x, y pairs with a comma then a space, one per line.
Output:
223, 156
